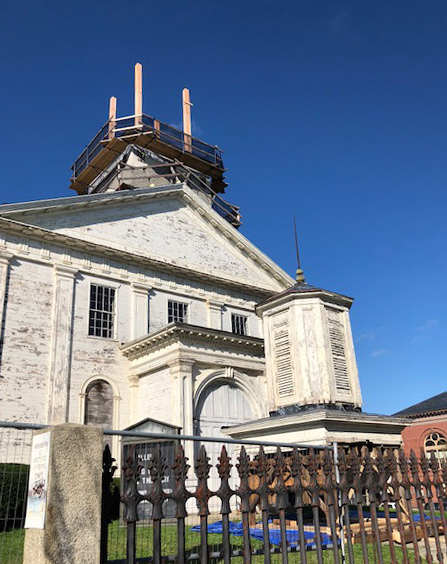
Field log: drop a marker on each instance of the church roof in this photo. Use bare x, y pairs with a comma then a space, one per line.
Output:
305, 288
436, 404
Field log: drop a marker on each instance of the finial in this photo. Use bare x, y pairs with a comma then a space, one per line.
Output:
299, 273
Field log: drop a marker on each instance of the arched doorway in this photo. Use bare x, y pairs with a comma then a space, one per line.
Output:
221, 404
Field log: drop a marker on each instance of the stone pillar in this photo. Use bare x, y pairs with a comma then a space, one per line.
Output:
73, 512
140, 310
60, 346
214, 314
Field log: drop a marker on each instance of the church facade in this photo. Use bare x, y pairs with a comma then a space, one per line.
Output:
137, 299
138, 303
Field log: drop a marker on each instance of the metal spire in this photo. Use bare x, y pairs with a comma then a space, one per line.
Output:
299, 273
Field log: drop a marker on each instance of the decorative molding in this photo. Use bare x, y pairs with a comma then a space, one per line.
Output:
45, 253
129, 258
175, 332
5, 257
23, 246
117, 199
63, 270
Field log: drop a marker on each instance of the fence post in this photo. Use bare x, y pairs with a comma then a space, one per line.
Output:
72, 530
340, 508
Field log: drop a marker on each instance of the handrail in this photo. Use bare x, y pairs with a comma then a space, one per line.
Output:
164, 132
177, 437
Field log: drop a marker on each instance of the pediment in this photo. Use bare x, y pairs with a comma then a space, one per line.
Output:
175, 226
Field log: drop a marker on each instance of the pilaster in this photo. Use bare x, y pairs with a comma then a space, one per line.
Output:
140, 309
214, 310
134, 386
183, 399
5, 260
60, 346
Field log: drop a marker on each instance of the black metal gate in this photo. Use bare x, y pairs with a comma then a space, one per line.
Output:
290, 505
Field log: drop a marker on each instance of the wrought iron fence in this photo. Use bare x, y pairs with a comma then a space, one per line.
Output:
287, 505
15, 444
235, 503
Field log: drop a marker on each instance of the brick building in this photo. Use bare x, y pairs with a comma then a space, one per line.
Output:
428, 429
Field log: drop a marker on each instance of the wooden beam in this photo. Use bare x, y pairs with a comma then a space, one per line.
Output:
186, 120
112, 116
138, 86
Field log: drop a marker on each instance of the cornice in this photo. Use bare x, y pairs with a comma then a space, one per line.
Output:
180, 191
180, 332
425, 414
57, 205
317, 418
269, 306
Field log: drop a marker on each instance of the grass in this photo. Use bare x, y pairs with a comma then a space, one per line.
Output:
11, 546
117, 547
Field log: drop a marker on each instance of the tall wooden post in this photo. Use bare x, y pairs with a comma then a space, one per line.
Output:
138, 94
112, 116
187, 144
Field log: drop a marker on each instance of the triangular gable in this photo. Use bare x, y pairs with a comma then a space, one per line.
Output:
165, 224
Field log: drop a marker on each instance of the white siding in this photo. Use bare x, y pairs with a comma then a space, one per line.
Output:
26, 342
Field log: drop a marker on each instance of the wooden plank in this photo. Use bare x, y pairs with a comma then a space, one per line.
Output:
186, 103
138, 93
112, 116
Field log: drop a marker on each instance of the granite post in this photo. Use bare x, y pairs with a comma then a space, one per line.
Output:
73, 512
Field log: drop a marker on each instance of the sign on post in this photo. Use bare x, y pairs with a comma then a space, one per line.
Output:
38, 482
145, 452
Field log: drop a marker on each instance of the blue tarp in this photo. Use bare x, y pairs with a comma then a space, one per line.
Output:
292, 535
353, 515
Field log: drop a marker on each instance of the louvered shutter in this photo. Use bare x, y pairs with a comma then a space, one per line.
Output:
283, 359
337, 340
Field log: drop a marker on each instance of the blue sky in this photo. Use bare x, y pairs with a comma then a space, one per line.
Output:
335, 111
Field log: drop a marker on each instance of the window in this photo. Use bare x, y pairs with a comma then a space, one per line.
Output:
177, 311
437, 443
102, 311
239, 324
99, 404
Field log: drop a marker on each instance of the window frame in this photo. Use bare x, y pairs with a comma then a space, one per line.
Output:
186, 305
113, 313
245, 324
436, 437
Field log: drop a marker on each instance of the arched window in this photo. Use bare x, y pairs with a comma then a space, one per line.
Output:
437, 443
99, 404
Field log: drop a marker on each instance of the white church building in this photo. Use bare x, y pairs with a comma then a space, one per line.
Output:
139, 298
